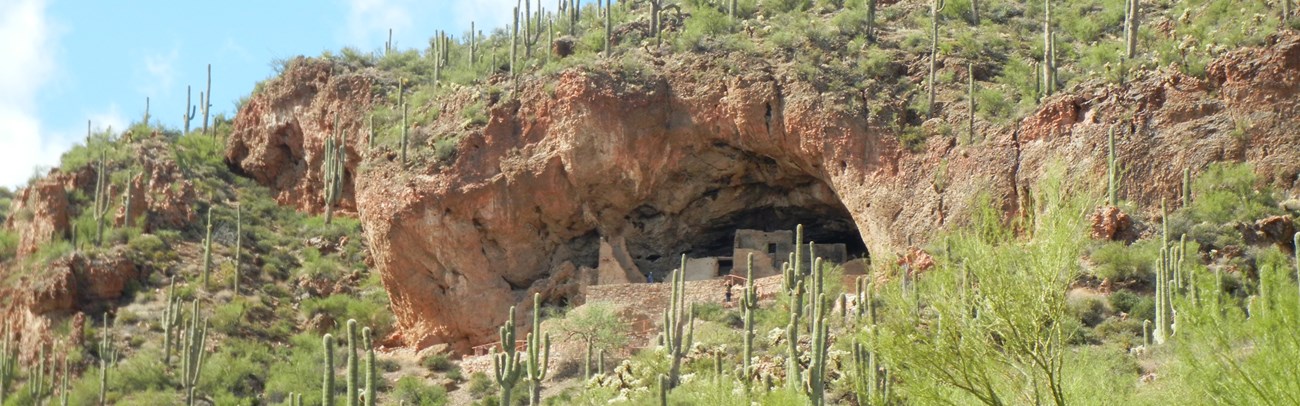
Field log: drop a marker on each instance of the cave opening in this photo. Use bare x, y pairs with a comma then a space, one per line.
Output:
724, 223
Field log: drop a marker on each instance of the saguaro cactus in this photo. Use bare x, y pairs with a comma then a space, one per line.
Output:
970, 99
327, 385
609, 23
473, 44
370, 366
194, 354
205, 99
539, 354
514, 42
1131, 22
748, 305
353, 372
190, 110
663, 390
63, 384
871, 20
936, 6
333, 168
792, 376
817, 359
100, 208
239, 244
107, 357
404, 134
1167, 263
676, 319
8, 361
207, 249
1049, 51
872, 385
507, 366
1112, 170
171, 320
1187, 187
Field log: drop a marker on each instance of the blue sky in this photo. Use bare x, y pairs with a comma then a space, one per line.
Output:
64, 61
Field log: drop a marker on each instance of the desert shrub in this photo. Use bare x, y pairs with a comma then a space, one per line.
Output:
143, 371
368, 313
1124, 300
1228, 192
149, 248
705, 24
1121, 331
785, 6
455, 374
1089, 310
299, 370
436, 362
414, 391
481, 386
1120, 262
8, 244
238, 369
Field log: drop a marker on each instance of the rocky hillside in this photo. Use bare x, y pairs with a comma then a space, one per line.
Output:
704, 144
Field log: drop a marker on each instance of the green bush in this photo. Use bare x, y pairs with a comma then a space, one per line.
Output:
1120, 262
1088, 310
481, 386
1229, 192
414, 391
299, 371
706, 24
143, 371
436, 363
373, 314
774, 7
8, 244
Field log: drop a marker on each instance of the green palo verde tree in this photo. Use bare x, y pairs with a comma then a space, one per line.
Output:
597, 325
1004, 340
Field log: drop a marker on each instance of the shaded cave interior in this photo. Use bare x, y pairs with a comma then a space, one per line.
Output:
722, 190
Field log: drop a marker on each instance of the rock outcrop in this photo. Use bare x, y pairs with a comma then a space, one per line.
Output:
279, 137
40, 213
676, 156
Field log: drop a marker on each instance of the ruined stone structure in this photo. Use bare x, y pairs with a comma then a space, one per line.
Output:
771, 251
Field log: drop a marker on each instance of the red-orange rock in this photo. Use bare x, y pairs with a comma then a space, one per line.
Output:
1108, 223
40, 213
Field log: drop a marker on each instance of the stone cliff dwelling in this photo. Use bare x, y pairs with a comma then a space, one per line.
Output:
771, 251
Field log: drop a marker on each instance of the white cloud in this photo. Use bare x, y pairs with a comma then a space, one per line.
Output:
28, 46
109, 119
488, 15
159, 73
370, 20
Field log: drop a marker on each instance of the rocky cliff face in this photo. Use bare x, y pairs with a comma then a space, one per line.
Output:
676, 156
279, 137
